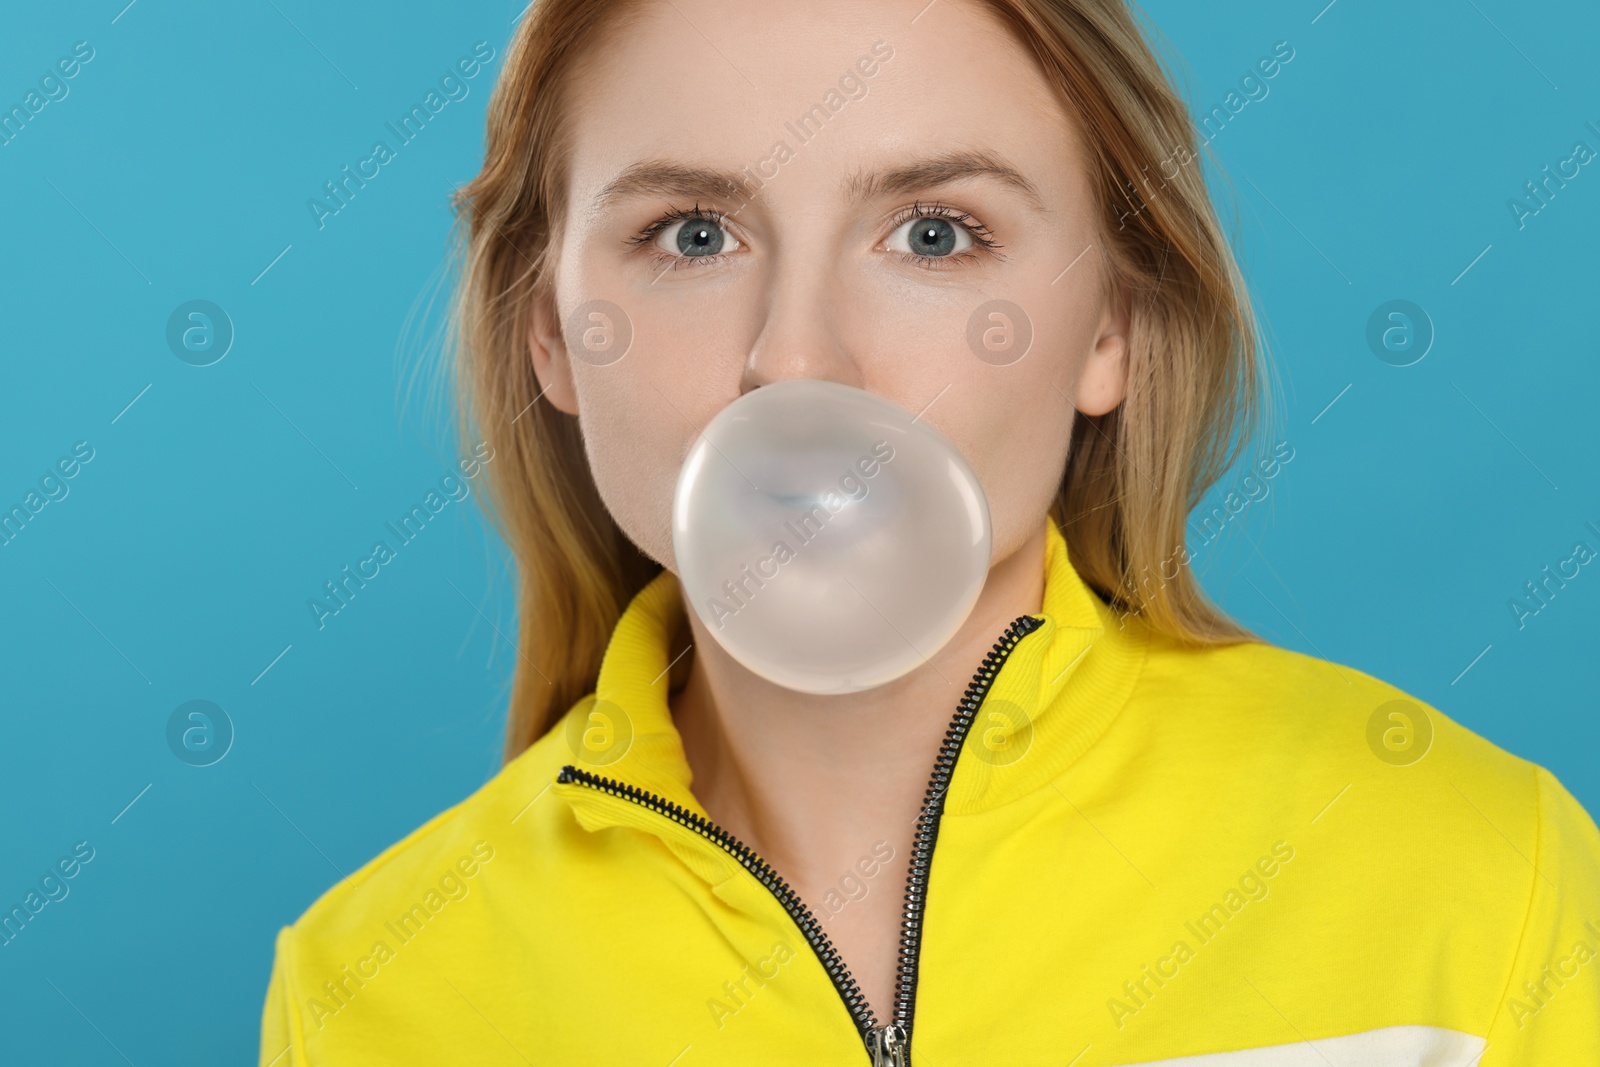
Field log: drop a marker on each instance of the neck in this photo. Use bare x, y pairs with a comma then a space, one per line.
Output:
813, 782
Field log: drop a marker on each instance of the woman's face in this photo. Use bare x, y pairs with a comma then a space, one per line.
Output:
904, 166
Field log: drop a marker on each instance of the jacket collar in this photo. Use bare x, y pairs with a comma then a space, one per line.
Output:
1056, 693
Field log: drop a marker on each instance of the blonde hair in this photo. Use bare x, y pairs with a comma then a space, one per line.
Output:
1132, 476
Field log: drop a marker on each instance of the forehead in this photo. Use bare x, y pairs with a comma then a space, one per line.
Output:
843, 85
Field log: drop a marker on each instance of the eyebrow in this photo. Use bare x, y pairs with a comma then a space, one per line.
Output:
946, 169
662, 178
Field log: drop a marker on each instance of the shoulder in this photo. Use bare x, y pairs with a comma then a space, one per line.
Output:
444, 893
1301, 711
1326, 749
1418, 846
440, 860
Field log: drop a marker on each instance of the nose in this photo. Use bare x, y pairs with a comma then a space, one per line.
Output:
804, 322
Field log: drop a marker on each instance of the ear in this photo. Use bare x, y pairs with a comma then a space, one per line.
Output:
548, 349
1103, 383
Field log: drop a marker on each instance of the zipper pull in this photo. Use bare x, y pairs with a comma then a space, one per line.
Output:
888, 1046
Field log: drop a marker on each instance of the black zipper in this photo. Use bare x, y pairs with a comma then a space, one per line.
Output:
888, 1044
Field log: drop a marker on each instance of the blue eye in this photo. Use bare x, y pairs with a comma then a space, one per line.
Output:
931, 236
696, 237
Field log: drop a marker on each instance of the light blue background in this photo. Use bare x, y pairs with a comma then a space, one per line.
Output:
178, 568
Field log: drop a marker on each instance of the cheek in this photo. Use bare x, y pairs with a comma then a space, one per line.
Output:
640, 414
1020, 441
1012, 420
1033, 398
635, 442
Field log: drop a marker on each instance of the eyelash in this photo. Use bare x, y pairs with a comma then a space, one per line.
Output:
645, 238
981, 236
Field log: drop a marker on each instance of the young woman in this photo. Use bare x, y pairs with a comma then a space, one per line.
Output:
1138, 834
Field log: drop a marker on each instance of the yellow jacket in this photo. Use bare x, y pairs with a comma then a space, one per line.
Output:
1132, 852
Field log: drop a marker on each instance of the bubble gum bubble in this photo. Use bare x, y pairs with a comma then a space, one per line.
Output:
827, 539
